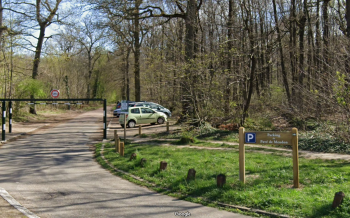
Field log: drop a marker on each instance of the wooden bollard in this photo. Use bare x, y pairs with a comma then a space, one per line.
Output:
167, 126
163, 165
220, 180
191, 174
133, 156
338, 199
118, 145
116, 140
140, 130
121, 148
143, 162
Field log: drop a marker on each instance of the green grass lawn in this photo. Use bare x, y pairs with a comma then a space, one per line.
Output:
269, 178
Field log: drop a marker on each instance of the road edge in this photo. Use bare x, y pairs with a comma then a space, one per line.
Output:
5, 195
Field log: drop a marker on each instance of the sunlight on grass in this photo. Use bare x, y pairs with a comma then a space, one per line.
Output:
269, 178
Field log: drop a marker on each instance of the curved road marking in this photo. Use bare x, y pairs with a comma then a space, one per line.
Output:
16, 204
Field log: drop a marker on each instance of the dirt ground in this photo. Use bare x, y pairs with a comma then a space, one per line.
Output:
8, 211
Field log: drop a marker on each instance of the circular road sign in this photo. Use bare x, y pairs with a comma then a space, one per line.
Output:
55, 93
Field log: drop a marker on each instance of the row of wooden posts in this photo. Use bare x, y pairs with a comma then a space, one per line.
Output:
119, 146
220, 179
167, 128
191, 175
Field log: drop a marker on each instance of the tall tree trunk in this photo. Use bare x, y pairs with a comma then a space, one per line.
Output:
127, 66
326, 61
177, 57
249, 27
190, 22
311, 45
36, 61
302, 22
318, 83
279, 41
347, 16
137, 47
2, 28
126, 83
43, 23
89, 75
293, 51
347, 59
228, 55
262, 58
38, 51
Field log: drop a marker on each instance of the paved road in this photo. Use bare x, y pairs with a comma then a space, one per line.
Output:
53, 174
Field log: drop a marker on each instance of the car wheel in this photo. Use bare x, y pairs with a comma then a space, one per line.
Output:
122, 125
131, 124
160, 120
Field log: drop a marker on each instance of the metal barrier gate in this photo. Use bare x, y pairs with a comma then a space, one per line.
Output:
33, 101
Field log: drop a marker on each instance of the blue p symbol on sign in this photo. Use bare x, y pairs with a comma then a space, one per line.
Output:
250, 138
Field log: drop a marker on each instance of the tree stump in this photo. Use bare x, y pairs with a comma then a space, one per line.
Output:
163, 165
191, 174
143, 162
220, 180
338, 199
133, 156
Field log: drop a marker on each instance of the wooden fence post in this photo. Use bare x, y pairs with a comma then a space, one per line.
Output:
338, 199
167, 126
125, 128
295, 157
140, 130
118, 145
241, 155
116, 141
220, 180
163, 165
191, 174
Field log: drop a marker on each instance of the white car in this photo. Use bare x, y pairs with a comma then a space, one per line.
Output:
141, 115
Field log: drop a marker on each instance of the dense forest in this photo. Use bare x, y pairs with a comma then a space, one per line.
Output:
210, 61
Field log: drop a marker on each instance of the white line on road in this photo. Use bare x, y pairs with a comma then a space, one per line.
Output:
16, 204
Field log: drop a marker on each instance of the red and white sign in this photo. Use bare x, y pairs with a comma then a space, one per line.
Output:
55, 93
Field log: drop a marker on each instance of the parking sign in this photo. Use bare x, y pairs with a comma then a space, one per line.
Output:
250, 137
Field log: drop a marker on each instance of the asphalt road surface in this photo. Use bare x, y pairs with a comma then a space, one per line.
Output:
53, 174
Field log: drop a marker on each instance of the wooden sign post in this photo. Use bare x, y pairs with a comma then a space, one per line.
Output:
270, 138
241, 155
295, 157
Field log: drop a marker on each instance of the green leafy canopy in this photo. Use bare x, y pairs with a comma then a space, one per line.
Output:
31, 87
